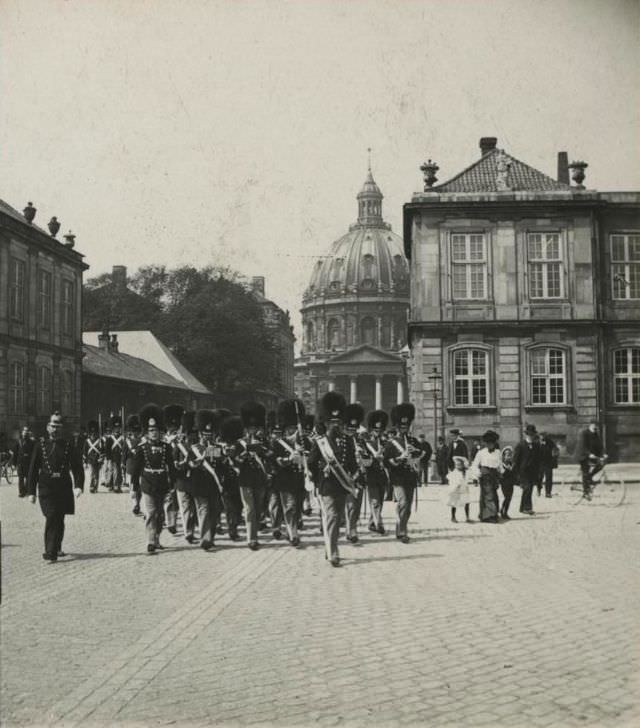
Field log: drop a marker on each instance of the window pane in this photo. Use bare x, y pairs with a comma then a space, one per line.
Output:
634, 280
479, 359
459, 281
476, 247
635, 361
556, 361
553, 280
458, 247
461, 391
556, 390
535, 277
634, 247
461, 363
538, 390
617, 247
479, 391
477, 281
538, 362
553, 246
635, 389
620, 361
535, 246
621, 389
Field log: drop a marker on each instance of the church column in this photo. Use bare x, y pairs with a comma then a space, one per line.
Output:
378, 404
353, 393
399, 391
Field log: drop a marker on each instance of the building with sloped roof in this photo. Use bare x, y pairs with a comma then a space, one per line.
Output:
40, 321
122, 371
354, 313
525, 303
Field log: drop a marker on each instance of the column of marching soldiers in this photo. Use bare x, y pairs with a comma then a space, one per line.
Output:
206, 464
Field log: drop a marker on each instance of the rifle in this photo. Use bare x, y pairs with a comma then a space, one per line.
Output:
308, 481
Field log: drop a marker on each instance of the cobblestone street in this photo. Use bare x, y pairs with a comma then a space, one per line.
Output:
533, 622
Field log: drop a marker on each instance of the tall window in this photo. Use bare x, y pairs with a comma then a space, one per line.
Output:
44, 391
626, 373
468, 266
44, 299
311, 339
470, 377
66, 392
625, 265
368, 331
16, 388
548, 369
67, 308
16, 289
333, 334
545, 265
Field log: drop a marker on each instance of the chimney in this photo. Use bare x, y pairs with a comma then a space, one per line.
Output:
487, 144
257, 284
119, 276
563, 168
103, 340
113, 346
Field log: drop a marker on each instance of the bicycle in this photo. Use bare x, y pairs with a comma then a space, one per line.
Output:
605, 492
6, 470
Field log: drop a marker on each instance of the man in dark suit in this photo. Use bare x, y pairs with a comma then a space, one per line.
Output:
21, 458
548, 462
56, 471
590, 456
458, 447
526, 466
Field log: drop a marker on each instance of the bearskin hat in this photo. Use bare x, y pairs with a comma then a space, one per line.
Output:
173, 414
133, 423
92, 426
353, 414
231, 429
308, 422
290, 412
253, 414
205, 421
188, 421
403, 414
332, 406
271, 419
151, 416
115, 421
377, 417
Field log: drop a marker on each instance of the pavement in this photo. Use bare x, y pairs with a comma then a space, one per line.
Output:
529, 623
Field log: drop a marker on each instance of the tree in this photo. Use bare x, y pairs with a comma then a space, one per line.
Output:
109, 305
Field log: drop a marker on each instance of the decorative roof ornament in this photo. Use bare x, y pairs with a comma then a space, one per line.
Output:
503, 165
577, 173
70, 239
29, 212
429, 170
53, 226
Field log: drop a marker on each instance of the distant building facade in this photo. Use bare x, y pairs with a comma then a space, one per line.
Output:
354, 314
40, 322
124, 370
525, 303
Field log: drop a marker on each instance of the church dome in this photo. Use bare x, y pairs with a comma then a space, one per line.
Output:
368, 261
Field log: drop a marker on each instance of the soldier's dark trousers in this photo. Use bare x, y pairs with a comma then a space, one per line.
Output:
376, 501
53, 533
526, 502
232, 509
153, 505
194, 507
333, 507
353, 506
404, 497
134, 490
289, 503
114, 477
94, 470
171, 509
252, 498
275, 510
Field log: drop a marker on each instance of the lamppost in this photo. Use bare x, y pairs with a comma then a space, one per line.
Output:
434, 386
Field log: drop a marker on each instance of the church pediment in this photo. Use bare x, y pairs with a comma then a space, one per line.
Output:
365, 354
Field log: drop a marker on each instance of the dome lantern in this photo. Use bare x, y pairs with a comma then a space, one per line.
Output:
370, 201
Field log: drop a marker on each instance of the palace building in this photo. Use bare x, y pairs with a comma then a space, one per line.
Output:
354, 314
525, 303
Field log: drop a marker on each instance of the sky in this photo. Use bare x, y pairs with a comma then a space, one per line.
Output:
235, 133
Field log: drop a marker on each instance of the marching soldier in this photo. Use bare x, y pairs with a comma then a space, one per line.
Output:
172, 418
21, 458
57, 474
288, 455
377, 477
249, 456
402, 457
276, 515
229, 429
155, 467
132, 441
93, 454
209, 457
113, 446
308, 422
354, 414
334, 456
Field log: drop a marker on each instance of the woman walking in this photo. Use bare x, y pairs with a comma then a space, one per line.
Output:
486, 469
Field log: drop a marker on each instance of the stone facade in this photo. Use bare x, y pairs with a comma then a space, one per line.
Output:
519, 311
40, 324
354, 314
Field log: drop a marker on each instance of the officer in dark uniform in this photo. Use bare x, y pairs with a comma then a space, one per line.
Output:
131, 443
354, 415
172, 418
155, 467
93, 454
276, 431
56, 472
21, 458
376, 475
331, 488
229, 429
402, 456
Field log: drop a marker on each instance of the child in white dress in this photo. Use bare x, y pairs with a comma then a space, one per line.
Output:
459, 492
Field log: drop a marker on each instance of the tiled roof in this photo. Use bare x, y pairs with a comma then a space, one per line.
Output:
122, 366
481, 176
148, 346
